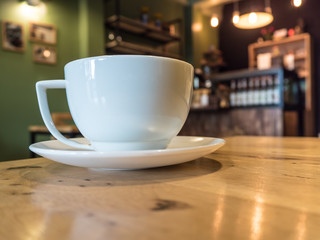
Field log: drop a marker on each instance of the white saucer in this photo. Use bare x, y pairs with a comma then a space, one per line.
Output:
180, 150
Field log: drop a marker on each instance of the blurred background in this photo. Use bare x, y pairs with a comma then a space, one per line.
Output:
40, 37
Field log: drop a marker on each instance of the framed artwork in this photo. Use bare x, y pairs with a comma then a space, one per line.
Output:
12, 36
42, 33
44, 54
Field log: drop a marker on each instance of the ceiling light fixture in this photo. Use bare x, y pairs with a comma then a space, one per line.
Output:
236, 14
214, 21
32, 13
255, 19
33, 2
297, 3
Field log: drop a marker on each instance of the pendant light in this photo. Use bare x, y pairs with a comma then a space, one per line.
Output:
296, 3
214, 21
33, 2
255, 18
236, 14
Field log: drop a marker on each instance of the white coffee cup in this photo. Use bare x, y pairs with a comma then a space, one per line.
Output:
123, 102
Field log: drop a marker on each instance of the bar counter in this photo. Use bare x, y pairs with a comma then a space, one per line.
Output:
252, 188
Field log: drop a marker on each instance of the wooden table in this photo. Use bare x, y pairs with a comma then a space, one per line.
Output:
252, 188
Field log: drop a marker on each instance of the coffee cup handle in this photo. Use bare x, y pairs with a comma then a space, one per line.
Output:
41, 88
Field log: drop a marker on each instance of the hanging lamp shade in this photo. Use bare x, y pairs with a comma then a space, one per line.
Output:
33, 2
256, 18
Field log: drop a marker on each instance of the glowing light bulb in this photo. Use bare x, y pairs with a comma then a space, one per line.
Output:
196, 27
46, 53
214, 21
297, 3
235, 18
253, 17
32, 12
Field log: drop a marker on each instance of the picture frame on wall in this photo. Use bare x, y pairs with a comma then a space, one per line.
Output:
13, 36
42, 33
44, 54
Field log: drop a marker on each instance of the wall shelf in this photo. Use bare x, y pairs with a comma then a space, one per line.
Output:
135, 43
283, 41
139, 28
132, 48
300, 45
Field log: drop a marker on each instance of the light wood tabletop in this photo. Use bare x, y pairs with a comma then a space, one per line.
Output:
252, 188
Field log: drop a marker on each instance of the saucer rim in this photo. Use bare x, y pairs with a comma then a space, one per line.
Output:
213, 142
131, 160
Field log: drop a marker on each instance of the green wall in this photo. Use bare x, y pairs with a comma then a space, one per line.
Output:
18, 72
206, 37
198, 41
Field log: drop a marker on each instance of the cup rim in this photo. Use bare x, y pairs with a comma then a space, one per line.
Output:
127, 56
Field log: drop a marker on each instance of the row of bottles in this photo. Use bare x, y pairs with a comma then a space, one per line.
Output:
255, 91
250, 91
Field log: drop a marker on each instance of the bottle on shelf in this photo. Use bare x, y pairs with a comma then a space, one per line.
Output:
244, 92
263, 91
157, 20
239, 93
276, 90
144, 15
256, 93
204, 98
250, 97
269, 90
196, 82
233, 93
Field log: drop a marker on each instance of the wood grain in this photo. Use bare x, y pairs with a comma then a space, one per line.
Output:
252, 188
